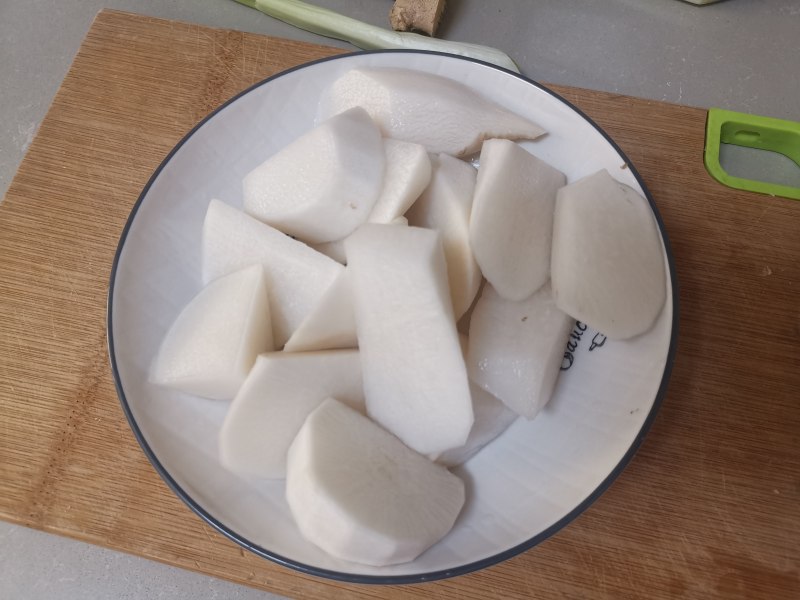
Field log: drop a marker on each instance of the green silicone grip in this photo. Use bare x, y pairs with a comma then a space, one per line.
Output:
752, 131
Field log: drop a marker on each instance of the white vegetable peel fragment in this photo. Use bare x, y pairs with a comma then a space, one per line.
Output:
213, 342
415, 379
608, 261
296, 275
516, 348
511, 227
443, 115
361, 495
281, 390
323, 185
445, 206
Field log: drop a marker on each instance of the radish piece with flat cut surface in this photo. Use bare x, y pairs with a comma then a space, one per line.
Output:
516, 348
297, 276
333, 250
212, 344
441, 114
331, 325
407, 174
608, 261
408, 171
323, 185
415, 379
511, 227
360, 494
281, 390
445, 206
492, 418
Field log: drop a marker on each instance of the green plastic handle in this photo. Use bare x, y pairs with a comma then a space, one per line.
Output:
751, 131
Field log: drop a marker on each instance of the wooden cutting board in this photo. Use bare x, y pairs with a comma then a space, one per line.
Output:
710, 506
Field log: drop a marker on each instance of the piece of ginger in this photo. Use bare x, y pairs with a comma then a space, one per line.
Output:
417, 15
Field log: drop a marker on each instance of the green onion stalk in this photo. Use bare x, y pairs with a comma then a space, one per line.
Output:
328, 23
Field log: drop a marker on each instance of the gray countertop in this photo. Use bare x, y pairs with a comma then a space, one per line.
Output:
743, 55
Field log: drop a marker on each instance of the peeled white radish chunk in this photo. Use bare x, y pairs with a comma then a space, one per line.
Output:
214, 341
511, 227
441, 114
331, 324
361, 495
445, 206
333, 250
323, 185
492, 418
408, 172
415, 379
281, 390
608, 261
516, 348
297, 276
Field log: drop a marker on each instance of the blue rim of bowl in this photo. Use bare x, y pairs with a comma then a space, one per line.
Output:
417, 577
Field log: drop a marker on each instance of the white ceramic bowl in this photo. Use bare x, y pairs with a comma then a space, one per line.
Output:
522, 488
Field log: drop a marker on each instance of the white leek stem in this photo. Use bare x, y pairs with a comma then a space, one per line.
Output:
369, 37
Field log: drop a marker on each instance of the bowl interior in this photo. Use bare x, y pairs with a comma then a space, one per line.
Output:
522, 487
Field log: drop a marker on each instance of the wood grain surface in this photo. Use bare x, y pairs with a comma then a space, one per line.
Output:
709, 507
